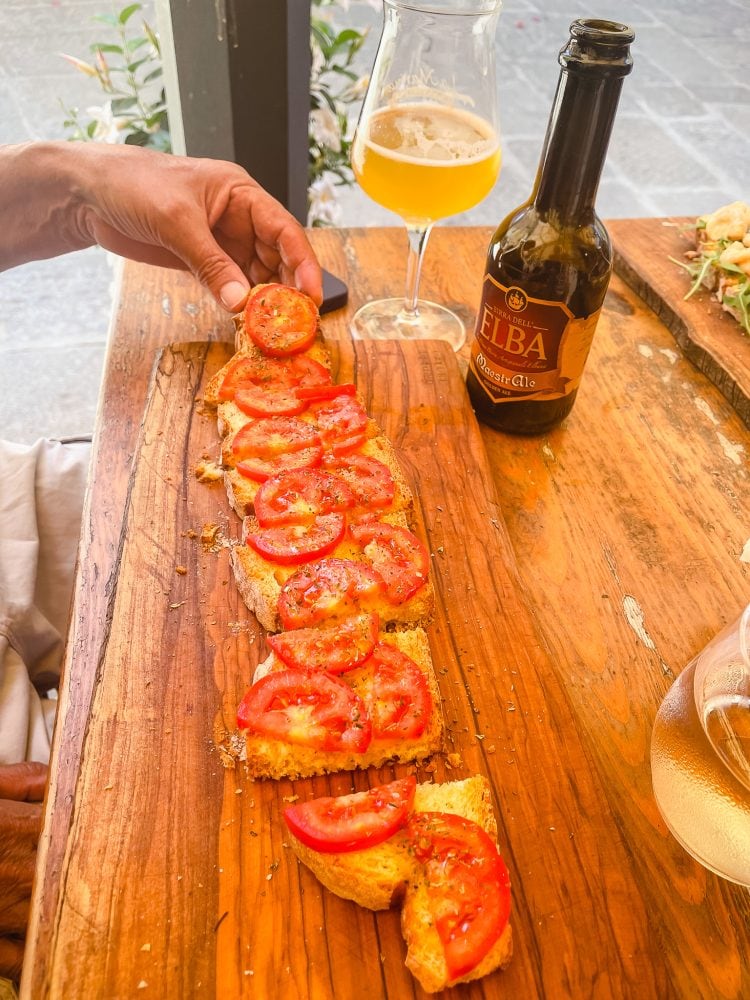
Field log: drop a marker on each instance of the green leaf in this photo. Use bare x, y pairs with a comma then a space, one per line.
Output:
102, 47
132, 67
153, 75
122, 104
152, 37
136, 43
111, 19
128, 12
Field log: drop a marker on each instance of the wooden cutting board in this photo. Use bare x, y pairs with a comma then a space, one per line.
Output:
645, 250
178, 868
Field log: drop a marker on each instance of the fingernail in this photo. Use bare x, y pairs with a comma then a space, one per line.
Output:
233, 295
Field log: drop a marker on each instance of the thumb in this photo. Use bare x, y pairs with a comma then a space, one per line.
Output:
216, 271
23, 782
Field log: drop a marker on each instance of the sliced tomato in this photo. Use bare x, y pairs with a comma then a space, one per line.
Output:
307, 371
326, 589
316, 393
369, 479
338, 823
345, 446
259, 402
246, 371
270, 437
299, 495
335, 648
468, 886
396, 554
249, 370
290, 544
341, 419
270, 445
396, 693
261, 469
307, 709
280, 320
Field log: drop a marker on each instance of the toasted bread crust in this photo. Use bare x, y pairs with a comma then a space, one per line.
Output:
387, 875
260, 581
275, 759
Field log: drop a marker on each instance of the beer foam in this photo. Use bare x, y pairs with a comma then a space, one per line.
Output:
431, 132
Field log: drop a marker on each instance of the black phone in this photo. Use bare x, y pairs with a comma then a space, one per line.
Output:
335, 293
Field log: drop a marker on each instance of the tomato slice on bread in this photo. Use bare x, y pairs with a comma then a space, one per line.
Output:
270, 445
308, 709
328, 588
316, 393
467, 885
273, 436
298, 495
256, 370
341, 419
289, 544
369, 479
342, 823
258, 402
260, 469
280, 320
396, 694
396, 554
337, 647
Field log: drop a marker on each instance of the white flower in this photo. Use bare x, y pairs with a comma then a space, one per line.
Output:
107, 128
318, 61
324, 128
324, 207
357, 90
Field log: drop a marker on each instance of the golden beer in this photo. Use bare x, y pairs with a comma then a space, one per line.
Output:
426, 161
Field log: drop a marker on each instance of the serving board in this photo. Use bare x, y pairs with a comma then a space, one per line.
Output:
645, 251
178, 868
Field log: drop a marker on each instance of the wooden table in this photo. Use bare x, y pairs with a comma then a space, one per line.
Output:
620, 546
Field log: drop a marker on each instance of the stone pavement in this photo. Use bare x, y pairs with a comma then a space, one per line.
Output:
681, 146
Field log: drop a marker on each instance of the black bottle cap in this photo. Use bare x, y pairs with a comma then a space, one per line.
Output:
598, 47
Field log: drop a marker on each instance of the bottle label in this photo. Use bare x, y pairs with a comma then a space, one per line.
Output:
527, 348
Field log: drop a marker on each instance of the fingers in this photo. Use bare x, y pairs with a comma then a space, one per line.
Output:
298, 264
11, 957
20, 823
23, 782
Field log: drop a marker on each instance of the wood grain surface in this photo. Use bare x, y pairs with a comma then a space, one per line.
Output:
712, 339
580, 572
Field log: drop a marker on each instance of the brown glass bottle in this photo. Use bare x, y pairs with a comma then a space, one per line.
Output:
549, 262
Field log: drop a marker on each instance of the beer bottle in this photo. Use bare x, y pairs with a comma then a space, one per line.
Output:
549, 262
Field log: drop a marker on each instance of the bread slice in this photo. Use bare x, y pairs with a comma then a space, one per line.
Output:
260, 581
378, 877
424, 950
241, 490
387, 875
317, 352
269, 758
239, 420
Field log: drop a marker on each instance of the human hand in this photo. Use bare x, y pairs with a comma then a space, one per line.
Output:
208, 216
21, 792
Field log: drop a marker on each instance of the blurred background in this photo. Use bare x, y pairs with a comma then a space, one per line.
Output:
681, 145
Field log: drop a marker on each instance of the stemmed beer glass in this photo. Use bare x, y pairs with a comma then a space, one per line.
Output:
426, 145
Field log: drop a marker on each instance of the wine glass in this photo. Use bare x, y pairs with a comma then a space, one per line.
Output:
426, 145
700, 754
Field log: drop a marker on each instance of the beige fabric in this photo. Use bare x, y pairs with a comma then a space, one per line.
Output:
41, 499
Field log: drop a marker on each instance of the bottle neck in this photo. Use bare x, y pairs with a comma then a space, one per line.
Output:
576, 144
